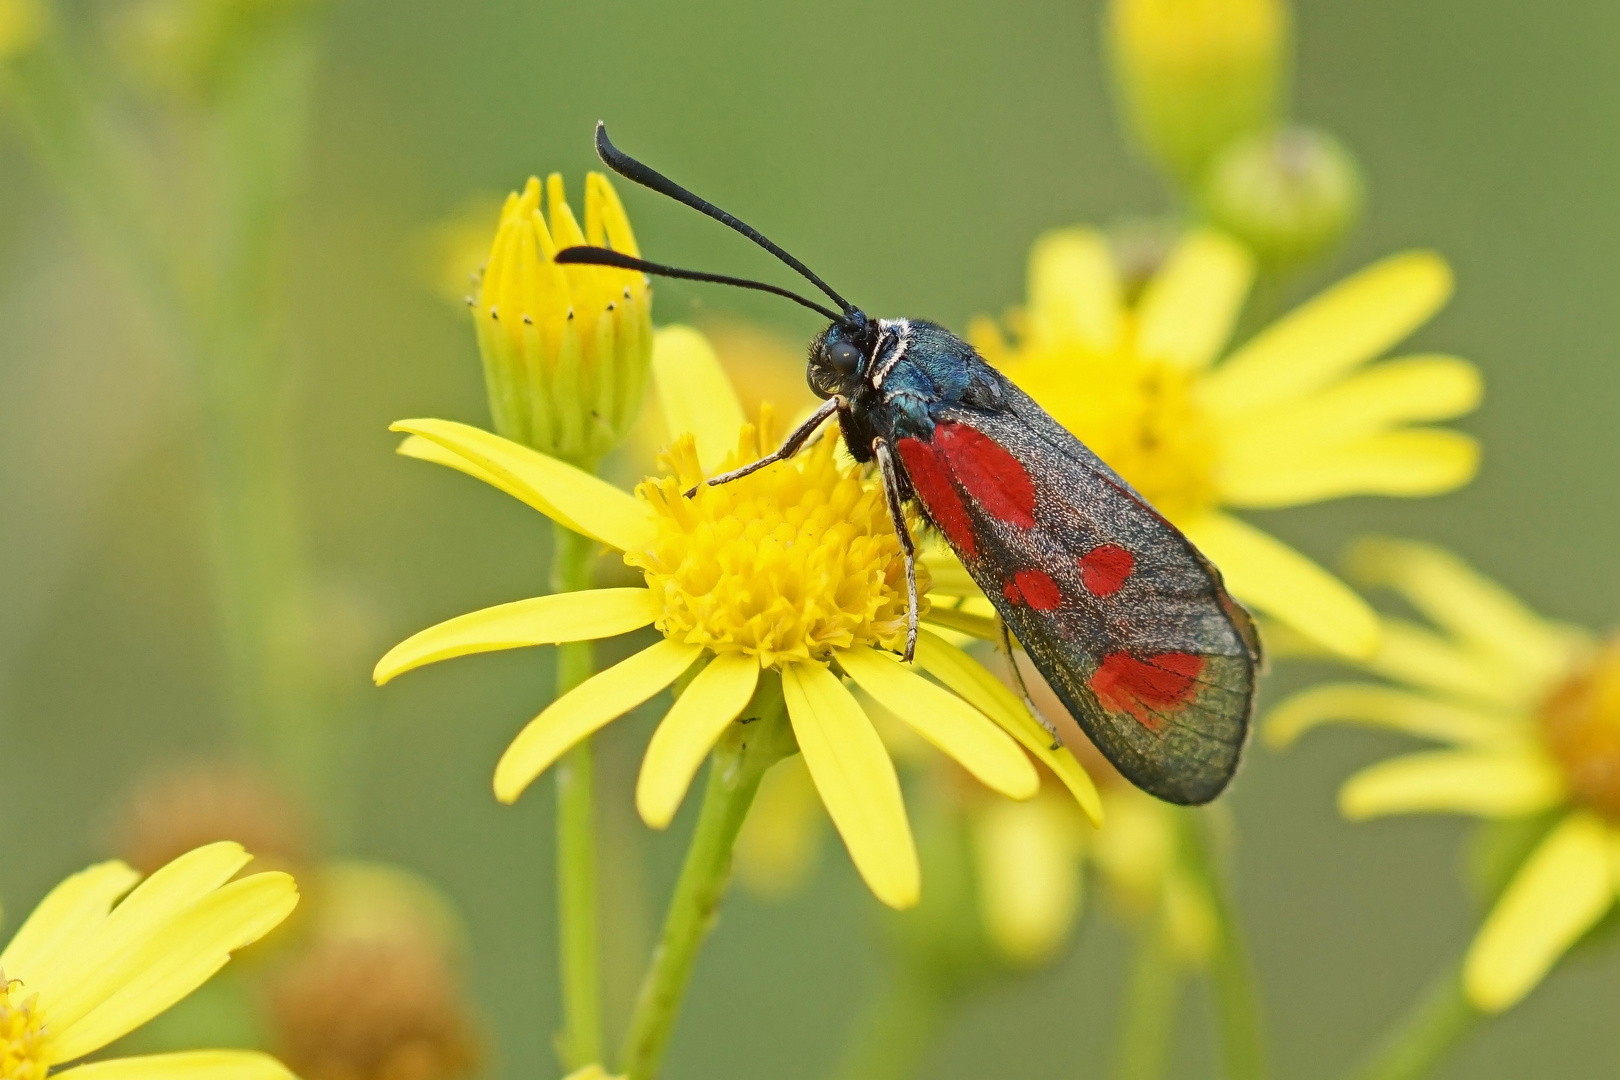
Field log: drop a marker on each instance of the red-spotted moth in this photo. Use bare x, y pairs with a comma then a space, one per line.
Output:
1130, 625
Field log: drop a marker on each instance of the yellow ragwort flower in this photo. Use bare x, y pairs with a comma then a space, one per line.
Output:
1294, 415
1528, 711
794, 571
86, 969
565, 348
1193, 75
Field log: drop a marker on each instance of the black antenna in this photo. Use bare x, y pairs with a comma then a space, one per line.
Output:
598, 256
631, 169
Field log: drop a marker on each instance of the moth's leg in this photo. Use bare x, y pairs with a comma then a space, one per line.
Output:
897, 514
790, 446
1018, 680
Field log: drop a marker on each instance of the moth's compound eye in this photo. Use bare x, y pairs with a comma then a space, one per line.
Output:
844, 357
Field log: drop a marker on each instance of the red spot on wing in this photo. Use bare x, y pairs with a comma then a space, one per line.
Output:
1010, 591
1103, 570
1147, 688
931, 479
989, 473
1039, 589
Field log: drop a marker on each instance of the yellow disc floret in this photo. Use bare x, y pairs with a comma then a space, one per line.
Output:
1581, 723
20, 1056
1138, 414
786, 564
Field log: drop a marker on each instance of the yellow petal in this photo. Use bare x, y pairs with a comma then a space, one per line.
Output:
695, 394
1187, 310
587, 504
982, 627
1276, 580
1028, 876
64, 918
592, 704
947, 721
1349, 324
687, 733
949, 576
189, 1065
543, 620
1393, 710
86, 971
977, 686
1471, 607
1559, 893
1408, 462
1485, 783
1409, 390
414, 446
1074, 290
172, 963
1416, 655
856, 781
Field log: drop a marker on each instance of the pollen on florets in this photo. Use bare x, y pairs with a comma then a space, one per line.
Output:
20, 1034
1580, 722
786, 564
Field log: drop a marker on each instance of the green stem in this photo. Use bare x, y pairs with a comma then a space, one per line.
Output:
1237, 998
740, 759
1431, 1028
895, 1038
579, 1043
1152, 1000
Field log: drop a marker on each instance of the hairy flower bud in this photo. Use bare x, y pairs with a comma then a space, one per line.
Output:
1289, 194
566, 348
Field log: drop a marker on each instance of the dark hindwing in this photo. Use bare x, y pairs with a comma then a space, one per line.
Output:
1126, 620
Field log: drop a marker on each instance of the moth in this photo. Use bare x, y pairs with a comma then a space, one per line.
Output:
1130, 625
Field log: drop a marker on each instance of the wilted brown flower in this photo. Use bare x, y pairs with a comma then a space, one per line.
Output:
385, 1009
169, 813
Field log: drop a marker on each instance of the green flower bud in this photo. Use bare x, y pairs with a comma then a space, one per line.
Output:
566, 348
1290, 194
1192, 75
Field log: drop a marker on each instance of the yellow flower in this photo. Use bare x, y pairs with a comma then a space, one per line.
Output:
1528, 713
22, 23
81, 972
1294, 415
793, 571
1195, 74
565, 348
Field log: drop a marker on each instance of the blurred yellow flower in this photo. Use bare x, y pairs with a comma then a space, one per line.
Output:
1193, 75
82, 972
565, 348
790, 570
1529, 713
1292, 416
22, 22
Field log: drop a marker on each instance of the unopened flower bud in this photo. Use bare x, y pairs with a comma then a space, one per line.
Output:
1289, 194
566, 348
1192, 75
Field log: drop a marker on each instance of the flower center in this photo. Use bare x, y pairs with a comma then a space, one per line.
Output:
1581, 724
20, 1037
1138, 415
786, 564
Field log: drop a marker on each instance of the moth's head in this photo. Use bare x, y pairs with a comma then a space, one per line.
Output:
840, 355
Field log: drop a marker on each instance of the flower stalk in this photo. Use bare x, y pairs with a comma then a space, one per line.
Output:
1237, 998
1152, 999
738, 764
578, 956
1432, 1027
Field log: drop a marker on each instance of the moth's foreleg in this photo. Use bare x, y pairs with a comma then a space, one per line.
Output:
1018, 679
790, 446
897, 514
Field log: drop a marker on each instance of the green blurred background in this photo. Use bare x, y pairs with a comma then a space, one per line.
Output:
910, 152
